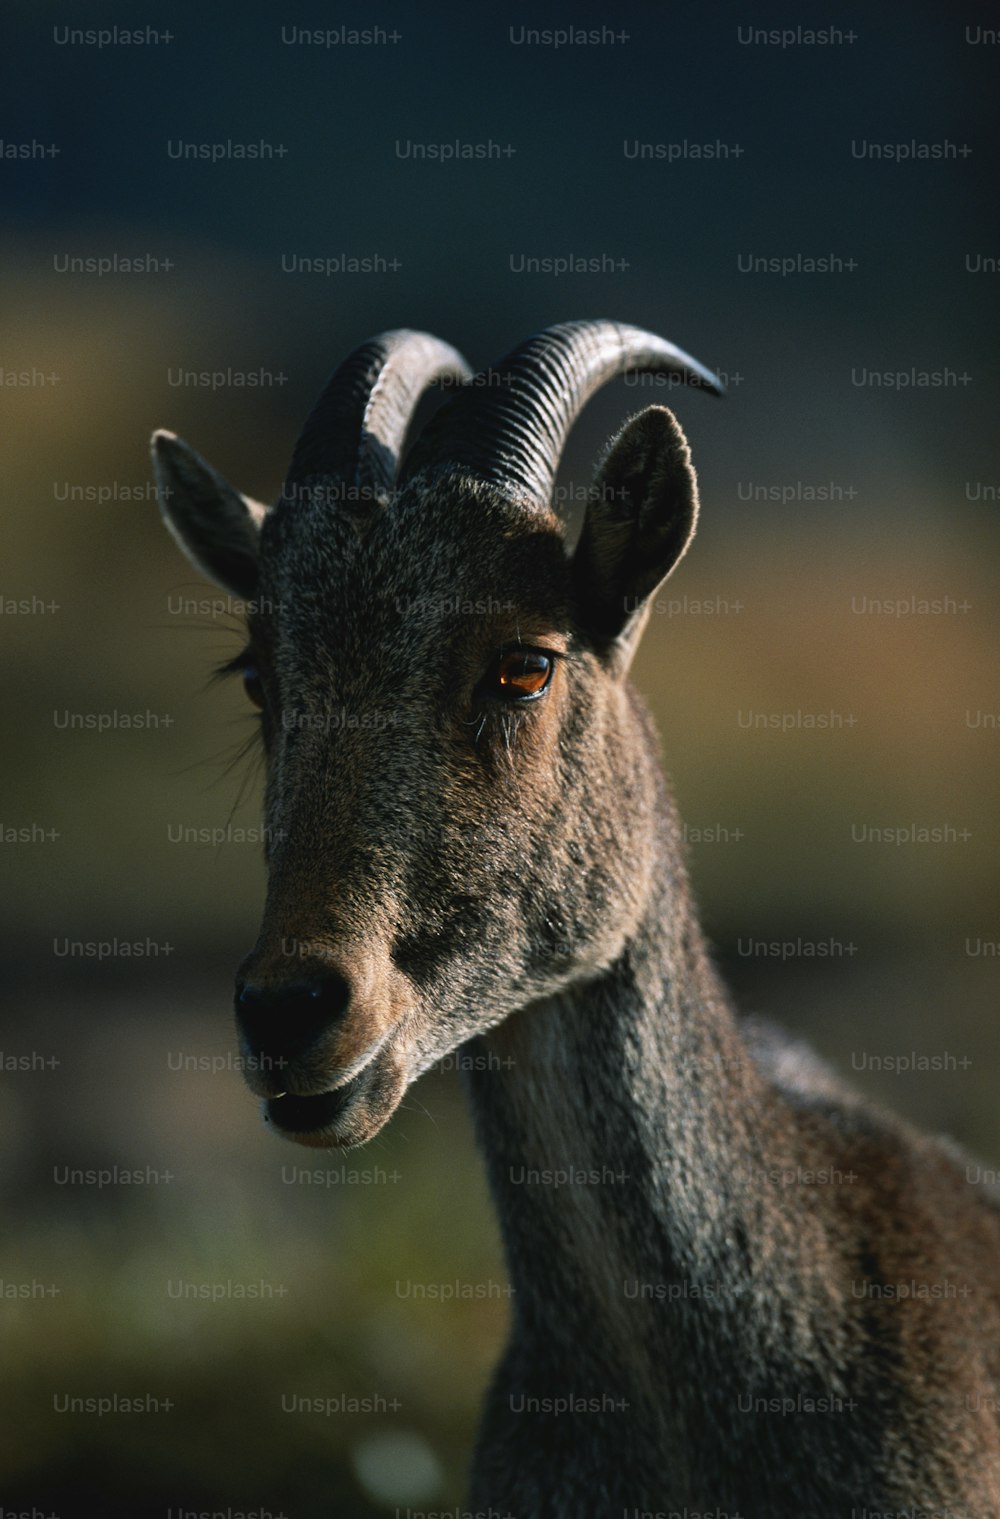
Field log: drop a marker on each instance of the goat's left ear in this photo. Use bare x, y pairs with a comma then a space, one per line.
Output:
216, 526
640, 519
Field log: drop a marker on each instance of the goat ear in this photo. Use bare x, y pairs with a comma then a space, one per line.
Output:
215, 525
640, 519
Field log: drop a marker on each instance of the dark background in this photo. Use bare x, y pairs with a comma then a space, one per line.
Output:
774, 623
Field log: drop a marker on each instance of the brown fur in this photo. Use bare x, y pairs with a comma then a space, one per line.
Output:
514, 876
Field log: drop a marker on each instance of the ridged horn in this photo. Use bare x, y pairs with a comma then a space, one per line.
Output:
357, 428
511, 425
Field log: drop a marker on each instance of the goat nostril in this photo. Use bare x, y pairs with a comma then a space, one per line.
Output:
299, 1012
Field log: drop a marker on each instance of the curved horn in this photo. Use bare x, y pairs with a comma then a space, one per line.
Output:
512, 424
357, 427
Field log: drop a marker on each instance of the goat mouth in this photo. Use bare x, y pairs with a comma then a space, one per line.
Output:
302, 1115
347, 1116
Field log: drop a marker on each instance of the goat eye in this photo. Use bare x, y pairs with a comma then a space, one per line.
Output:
520, 675
252, 685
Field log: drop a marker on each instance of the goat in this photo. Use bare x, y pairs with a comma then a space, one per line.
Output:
737, 1287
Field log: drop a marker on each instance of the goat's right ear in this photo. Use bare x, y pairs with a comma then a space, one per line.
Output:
216, 526
640, 520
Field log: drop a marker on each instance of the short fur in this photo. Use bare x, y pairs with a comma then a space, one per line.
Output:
705, 1231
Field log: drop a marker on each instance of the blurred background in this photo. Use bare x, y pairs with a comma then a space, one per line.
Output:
798, 714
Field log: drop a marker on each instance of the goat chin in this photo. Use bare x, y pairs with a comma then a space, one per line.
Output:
346, 1117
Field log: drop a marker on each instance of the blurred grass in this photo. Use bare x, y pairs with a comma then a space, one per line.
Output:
337, 1315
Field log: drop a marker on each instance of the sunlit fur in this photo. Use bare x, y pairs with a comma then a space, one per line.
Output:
513, 876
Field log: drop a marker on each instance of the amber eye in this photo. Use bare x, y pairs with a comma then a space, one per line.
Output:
521, 674
252, 685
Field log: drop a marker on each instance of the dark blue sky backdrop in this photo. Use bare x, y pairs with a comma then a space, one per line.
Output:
568, 189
